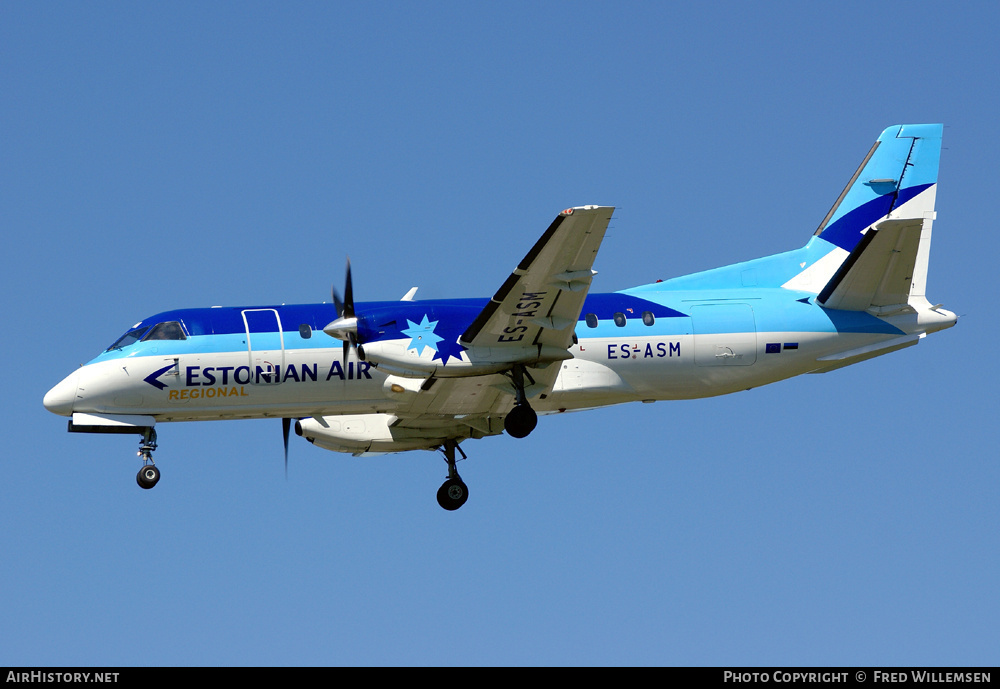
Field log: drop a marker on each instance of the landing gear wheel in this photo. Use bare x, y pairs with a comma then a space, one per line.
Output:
521, 421
452, 494
147, 476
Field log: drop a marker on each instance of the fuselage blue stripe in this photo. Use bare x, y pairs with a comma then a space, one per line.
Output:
223, 329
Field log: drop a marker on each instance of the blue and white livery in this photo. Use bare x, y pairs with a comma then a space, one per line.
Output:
427, 375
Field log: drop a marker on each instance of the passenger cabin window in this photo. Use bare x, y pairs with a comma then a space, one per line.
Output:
171, 330
305, 331
620, 319
131, 337
591, 319
647, 317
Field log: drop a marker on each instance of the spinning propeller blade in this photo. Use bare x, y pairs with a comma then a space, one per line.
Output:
346, 326
345, 308
286, 425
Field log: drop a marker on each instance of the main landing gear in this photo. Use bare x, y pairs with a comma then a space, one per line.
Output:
519, 422
148, 475
453, 493
522, 419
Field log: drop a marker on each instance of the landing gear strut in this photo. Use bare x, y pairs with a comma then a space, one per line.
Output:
522, 419
453, 493
148, 475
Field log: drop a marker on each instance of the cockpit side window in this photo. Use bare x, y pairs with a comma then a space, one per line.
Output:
131, 337
171, 330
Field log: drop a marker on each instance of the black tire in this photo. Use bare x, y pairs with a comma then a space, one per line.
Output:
147, 476
452, 494
521, 421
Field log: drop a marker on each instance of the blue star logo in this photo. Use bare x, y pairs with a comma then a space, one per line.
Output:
422, 335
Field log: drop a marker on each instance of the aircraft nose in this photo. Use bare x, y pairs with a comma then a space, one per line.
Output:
60, 399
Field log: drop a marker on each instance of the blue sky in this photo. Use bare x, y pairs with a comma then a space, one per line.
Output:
183, 155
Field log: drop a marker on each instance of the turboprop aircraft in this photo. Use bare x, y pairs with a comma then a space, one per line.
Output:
369, 378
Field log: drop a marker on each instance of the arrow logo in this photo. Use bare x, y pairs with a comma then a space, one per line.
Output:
152, 377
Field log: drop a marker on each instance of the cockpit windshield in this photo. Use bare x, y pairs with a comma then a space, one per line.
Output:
169, 330
131, 337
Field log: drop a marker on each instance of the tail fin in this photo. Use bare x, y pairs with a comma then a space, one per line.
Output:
900, 167
880, 226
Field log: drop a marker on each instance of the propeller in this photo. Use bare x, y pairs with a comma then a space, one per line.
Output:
286, 426
346, 326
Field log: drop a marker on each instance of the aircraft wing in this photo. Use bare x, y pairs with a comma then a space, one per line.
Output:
429, 412
541, 301
489, 396
537, 306
465, 407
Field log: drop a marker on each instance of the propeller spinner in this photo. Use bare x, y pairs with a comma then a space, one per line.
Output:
346, 326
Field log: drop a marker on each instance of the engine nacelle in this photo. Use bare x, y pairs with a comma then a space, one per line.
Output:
367, 433
395, 357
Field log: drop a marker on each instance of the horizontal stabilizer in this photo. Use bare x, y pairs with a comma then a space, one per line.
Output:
854, 356
879, 271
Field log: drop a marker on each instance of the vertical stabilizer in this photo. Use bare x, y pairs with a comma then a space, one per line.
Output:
889, 235
901, 166
896, 181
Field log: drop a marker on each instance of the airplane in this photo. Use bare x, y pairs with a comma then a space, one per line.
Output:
383, 377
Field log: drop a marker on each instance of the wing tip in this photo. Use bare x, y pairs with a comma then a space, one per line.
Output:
593, 207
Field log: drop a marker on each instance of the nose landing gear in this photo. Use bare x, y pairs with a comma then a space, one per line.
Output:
148, 475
